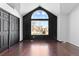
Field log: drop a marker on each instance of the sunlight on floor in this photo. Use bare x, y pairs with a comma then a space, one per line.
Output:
39, 50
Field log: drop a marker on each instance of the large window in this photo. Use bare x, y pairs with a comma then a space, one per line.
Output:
38, 25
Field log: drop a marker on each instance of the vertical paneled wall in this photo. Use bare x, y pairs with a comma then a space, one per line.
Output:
4, 29
9, 30
14, 30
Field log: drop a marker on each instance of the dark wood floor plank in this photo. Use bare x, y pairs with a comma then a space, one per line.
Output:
41, 48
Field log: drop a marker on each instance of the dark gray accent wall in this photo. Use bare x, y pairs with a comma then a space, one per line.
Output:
52, 26
9, 29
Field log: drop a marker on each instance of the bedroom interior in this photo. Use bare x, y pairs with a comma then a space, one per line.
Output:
39, 29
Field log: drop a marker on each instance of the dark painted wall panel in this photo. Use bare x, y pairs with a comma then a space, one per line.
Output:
9, 30
52, 26
4, 29
14, 30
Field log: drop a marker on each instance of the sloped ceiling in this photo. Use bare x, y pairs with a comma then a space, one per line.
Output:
15, 6
66, 8
55, 8
52, 7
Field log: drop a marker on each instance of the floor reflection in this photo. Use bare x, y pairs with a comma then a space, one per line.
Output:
39, 50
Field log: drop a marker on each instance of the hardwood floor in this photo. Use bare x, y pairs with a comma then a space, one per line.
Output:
41, 48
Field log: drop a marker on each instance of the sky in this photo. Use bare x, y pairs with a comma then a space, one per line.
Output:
39, 14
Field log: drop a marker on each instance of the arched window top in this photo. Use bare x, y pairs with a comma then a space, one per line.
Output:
39, 14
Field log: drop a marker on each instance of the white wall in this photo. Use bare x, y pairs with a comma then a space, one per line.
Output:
52, 7
63, 28
21, 29
74, 27
7, 8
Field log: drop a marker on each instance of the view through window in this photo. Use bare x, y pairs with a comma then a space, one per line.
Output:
38, 25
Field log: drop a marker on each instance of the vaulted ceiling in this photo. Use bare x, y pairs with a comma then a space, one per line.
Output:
55, 8
66, 8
